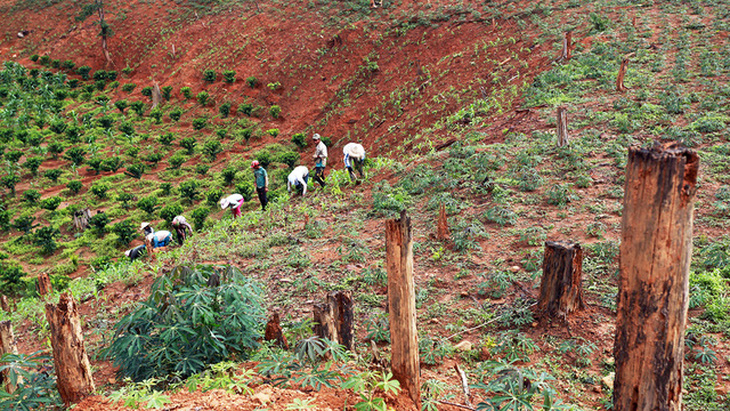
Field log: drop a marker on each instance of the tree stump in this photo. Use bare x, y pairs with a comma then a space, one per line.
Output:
562, 126
81, 219
405, 361
333, 318
44, 285
567, 52
273, 332
656, 247
156, 94
621, 73
8, 346
73, 371
4, 303
561, 291
442, 233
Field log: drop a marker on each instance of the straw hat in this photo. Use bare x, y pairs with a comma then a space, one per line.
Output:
356, 150
144, 225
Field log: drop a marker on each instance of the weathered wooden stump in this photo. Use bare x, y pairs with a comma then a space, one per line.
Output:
73, 371
442, 233
333, 318
561, 291
4, 303
656, 246
273, 332
562, 126
44, 285
621, 73
7, 346
405, 361
81, 219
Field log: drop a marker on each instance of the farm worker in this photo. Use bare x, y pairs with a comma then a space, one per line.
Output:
320, 159
135, 252
298, 178
354, 154
235, 201
157, 239
146, 228
262, 183
181, 226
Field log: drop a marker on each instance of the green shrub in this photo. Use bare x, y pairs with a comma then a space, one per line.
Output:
55, 148
99, 221
228, 174
32, 164
245, 189
100, 190
84, 71
225, 109
202, 169
74, 186
148, 204
186, 92
199, 123
34, 57
13, 156
11, 274
24, 223
175, 114
188, 190
51, 203
289, 158
209, 75
169, 335
560, 195
121, 105
138, 107
146, 91
203, 98
135, 170
189, 144
31, 196
252, 81
45, 238
213, 195
176, 161
166, 188
167, 139
125, 230
245, 108
53, 174
170, 211
199, 215
99, 75
128, 87
212, 148
229, 76
94, 163
156, 114
275, 111
111, 164
300, 140
127, 71
166, 92
273, 132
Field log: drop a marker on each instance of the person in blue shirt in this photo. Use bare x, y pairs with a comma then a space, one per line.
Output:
262, 183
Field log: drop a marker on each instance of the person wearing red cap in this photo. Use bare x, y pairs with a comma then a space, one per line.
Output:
262, 183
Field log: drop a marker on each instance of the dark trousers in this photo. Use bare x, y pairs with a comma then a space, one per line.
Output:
262, 197
358, 167
180, 231
319, 175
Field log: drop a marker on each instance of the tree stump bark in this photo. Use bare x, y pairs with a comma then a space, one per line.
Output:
273, 332
442, 233
405, 361
621, 73
656, 242
73, 371
333, 318
562, 126
567, 52
4, 303
561, 291
156, 94
81, 219
8, 346
44, 285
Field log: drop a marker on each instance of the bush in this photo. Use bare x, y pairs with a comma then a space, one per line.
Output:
273, 132
53, 174
167, 139
209, 75
99, 222
188, 190
128, 87
212, 149
189, 144
176, 161
199, 215
166, 188
138, 107
186, 92
45, 238
246, 108
55, 148
51, 203
135, 170
74, 186
228, 174
99, 190
31, 196
225, 109
146, 91
111, 164
11, 274
156, 113
289, 158
170, 211
32, 164
10, 181
213, 195
275, 111
121, 105
84, 71
299, 140
199, 123
203, 98
166, 92
125, 230
252, 81
169, 335
175, 114
148, 204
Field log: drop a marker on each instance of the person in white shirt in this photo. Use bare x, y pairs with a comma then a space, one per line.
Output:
234, 201
320, 159
182, 228
298, 178
354, 155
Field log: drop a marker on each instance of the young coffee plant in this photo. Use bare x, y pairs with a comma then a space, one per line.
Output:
192, 318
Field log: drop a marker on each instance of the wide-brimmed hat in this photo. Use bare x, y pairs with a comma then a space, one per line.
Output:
316, 137
224, 202
356, 150
127, 252
144, 225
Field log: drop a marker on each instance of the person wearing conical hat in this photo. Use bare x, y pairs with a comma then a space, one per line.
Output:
354, 156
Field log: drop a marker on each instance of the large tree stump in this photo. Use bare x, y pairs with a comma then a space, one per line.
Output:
8, 346
656, 241
81, 219
4, 303
561, 291
333, 318
273, 332
621, 73
442, 233
405, 361
562, 126
44, 285
73, 371
156, 94
567, 52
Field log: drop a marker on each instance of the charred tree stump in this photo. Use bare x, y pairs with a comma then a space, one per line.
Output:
442, 232
562, 126
73, 371
44, 285
656, 242
273, 332
81, 219
405, 361
621, 73
333, 318
561, 292
8, 346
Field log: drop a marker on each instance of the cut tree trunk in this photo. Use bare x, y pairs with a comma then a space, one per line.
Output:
656, 246
8, 346
562, 126
73, 371
44, 285
566, 54
156, 95
4, 303
81, 219
561, 292
273, 332
621, 73
405, 361
333, 318
443, 225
